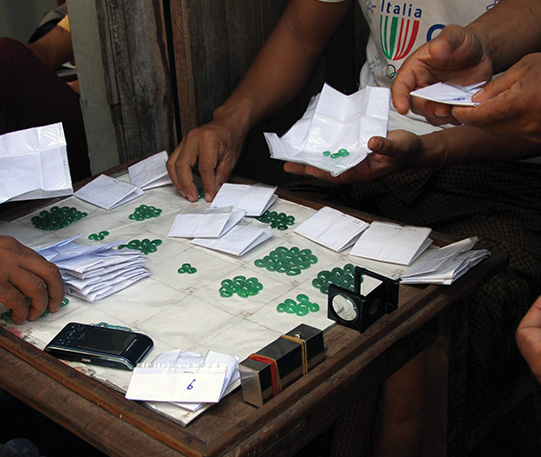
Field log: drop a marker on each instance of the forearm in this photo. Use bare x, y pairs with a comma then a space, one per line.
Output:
283, 65
465, 145
509, 30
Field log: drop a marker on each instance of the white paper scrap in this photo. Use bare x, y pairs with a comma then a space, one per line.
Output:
334, 131
34, 164
107, 192
392, 243
332, 228
254, 199
150, 172
205, 222
449, 94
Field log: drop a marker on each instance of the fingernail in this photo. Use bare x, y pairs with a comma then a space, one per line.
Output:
440, 112
376, 144
477, 95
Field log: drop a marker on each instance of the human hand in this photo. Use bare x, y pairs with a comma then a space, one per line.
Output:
529, 338
24, 273
390, 154
510, 104
456, 55
215, 147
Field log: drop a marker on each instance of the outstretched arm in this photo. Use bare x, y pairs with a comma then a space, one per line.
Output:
277, 74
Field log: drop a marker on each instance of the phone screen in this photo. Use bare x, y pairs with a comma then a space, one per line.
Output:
101, 340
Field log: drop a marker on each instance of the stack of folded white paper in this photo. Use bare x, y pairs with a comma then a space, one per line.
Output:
205, 222
446, 264
225, 228
244, 236
92, 273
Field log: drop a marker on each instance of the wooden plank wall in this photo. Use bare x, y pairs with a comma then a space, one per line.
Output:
137, 77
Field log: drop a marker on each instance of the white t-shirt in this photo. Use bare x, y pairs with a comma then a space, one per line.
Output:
397, 28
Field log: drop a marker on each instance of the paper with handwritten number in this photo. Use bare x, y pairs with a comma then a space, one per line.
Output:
191, 383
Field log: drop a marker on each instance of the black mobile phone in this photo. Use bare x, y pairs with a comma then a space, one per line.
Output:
100, 346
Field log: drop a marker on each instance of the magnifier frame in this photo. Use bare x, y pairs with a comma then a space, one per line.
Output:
369, 308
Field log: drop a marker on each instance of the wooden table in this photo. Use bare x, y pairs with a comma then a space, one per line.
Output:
355, 365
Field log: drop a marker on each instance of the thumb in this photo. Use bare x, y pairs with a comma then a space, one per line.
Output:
455, 47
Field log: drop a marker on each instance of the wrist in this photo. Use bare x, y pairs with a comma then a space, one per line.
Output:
236, 114
434, 151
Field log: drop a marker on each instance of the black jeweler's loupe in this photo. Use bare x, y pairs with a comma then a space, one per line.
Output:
354, 310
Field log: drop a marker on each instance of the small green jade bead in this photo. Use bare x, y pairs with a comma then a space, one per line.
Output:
302, 298
302, 310
326, 153
192, 270
291, 309
314, 307
335, 155
281, 308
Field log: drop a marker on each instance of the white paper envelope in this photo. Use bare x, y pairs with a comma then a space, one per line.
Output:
332, 228
34, 164
240, 239
254, 199
200, 383
205, 222
151, 172
392, 243
446, 264
334, 123
449, 94
108, 193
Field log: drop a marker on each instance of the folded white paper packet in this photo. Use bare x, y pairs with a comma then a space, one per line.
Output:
34, 164
334, 131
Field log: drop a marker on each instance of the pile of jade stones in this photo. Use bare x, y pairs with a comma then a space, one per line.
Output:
240, 285
279, 221
57, 218
289, 261
145, 212
342, 277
